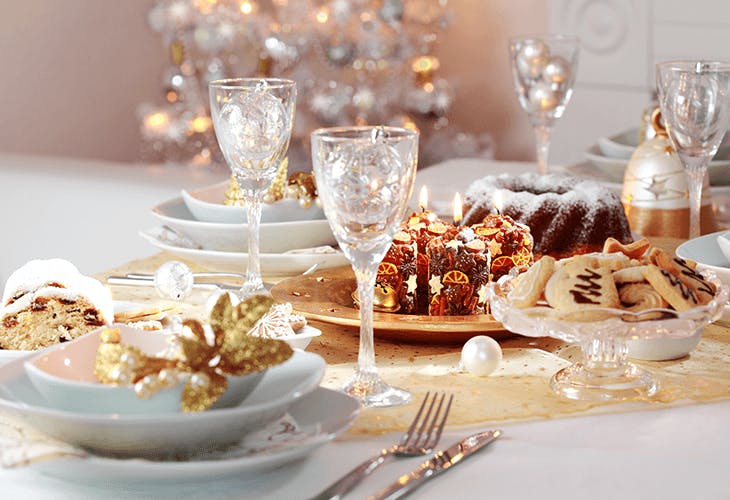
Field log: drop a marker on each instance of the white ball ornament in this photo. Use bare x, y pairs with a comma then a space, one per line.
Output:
557, 70
481, 355
174, 280
532, 58
542, 97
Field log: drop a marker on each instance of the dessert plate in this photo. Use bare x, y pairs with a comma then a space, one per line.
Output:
706, 252
319, 417
179, 433
326, 296
206, 204
272, 264
233, 237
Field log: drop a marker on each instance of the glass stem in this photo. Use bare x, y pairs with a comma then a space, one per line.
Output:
253, 274
365, 275
605, 354
695, 179
542, 143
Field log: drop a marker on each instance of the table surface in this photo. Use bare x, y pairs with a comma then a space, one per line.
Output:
676, 452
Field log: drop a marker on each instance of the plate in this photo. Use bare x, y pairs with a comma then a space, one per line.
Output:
706, 252
275, 236
321, 416
272, 264
206, 204
326, 296
179, 433
613, 168
621, 145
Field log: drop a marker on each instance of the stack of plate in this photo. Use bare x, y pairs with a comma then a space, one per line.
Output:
197, 226
171, 444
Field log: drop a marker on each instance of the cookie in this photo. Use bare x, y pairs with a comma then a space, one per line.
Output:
575, 286
612, 261
128, 312
640, 297
680, 296
632, 250
528, 287
686, 270
634, 274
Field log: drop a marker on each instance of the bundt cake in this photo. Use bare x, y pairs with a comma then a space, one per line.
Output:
566, 215
50, 301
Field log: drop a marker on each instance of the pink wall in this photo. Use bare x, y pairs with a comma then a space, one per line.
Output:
75, 71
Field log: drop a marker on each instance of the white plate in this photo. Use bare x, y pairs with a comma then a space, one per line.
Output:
613, 168
706, 252
272, 264
322, 415
621, 145
274, 237
146, 435
206, 204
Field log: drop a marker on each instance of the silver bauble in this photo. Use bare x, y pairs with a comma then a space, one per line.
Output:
532, 58
557, 70
542, 98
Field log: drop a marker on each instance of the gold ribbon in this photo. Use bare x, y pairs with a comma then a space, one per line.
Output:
666, 222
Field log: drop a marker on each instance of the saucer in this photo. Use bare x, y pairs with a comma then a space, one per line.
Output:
320, 416
178, 433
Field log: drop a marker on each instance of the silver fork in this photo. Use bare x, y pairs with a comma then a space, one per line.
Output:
420, 439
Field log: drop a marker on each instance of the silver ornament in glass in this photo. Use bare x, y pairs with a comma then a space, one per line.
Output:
557, 70
532, 59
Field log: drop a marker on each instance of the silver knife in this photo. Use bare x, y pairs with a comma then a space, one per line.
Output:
125, 280
441, 462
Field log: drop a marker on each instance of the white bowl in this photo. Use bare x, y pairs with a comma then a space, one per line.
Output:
621, 145
663, 349
302, 337
275, 237
206, 204
64, 375
706, 252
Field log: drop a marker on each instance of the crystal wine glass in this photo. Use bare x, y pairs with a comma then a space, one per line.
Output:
253, 120
364, 178
693, 96
543, 69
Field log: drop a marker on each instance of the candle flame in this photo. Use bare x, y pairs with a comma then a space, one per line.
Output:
458, 214
497, 200
423, 198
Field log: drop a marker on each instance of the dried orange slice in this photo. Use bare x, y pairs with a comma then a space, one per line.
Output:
487, 231
387, 268
503, 262
455, 277
522, 257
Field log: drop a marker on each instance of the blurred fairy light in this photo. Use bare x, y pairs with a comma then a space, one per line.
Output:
355, 62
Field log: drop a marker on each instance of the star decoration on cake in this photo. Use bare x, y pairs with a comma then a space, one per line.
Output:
482, 293
657, 187
435, 284
495, 247
412, 283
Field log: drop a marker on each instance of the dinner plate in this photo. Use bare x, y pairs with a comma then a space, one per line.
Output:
613, 168
148, 435
706, 252
274, 236
319, 417
206, 204
326, 296
272, 264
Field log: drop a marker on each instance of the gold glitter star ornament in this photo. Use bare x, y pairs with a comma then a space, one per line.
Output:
203, 360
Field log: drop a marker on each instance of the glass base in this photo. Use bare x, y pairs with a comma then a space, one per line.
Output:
373, 392
617, 384
251, 288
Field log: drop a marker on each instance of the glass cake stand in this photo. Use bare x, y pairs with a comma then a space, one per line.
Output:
604, 373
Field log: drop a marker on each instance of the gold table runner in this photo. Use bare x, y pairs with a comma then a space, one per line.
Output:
517, 391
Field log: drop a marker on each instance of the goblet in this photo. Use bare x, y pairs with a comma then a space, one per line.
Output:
543, 70
253, 120
693, 96
364, 179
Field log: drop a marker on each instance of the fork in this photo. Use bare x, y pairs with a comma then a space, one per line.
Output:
420, 439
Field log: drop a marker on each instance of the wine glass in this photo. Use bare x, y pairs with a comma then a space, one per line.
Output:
693, 96
253, 120
543, 69
364, 179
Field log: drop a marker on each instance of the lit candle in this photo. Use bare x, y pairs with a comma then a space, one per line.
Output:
423, 198
458, 214
497, 201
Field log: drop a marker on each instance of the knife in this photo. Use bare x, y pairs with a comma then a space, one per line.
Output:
441, 462
126, 280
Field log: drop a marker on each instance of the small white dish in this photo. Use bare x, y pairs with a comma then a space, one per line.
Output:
320, 416
272, 264
206, 205
302, 337
620, 145
65, 376
275, 237
706, 252
169, 433
663, 349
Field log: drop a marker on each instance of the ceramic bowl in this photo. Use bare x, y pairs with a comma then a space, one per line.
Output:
64, 375
706, 252
663, 349
275, 237
206, 205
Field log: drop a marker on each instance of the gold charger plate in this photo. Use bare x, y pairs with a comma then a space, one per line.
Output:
325, 295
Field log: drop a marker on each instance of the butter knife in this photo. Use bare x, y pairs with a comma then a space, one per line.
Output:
441, 462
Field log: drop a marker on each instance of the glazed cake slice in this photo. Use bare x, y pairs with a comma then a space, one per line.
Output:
49, 301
